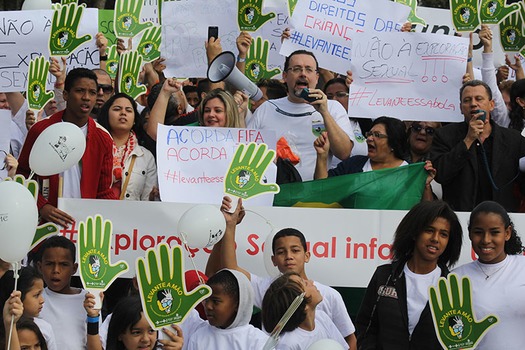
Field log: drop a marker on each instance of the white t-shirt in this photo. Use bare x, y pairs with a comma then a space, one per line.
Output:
72, 176
207, 337
67, 316
417, 293
47, 332
368, 166
300, 339
300, 129
502, 295
332, 304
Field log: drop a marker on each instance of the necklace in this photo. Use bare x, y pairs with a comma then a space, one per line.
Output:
487, 276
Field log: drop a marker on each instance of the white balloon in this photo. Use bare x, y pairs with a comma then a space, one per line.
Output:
272, 270
326, 344
203, 225
18, 221
57, 148
36, 5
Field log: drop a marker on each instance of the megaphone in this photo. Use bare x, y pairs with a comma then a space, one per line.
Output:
223, 68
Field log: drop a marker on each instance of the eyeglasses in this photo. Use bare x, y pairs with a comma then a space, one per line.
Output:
299, 69
106, 88
375, 134
418, 127
338, 94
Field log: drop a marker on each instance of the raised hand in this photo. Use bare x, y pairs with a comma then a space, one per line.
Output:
465, 15
127, 18
94, 250
37, 96
412, 17
162, 288
149, 46
112, 61
130, 64
493, 11
66, 19
454, 320
511, 35
246, 171
249, 15
257, 61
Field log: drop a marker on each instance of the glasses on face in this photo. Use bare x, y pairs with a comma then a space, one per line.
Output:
418, 127
338, 94
106, 88
375, 134
299, 69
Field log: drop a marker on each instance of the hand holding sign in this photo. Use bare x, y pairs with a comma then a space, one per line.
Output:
454, 320
96, 271
249, 15
493, 11
63, 39
162, 288
246, 171
465, 15
127, 18
37, 96
150, 44
130, 64
257, 61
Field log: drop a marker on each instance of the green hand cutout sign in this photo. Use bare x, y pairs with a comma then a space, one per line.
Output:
37, 96
465, 15
112, 61
165, 299
127, 18
493, 11
42, 231
511, 34
66, 19
412, 17
65, 2
246, 171
94, 240
149, 46
130, 64
291, 6
257, 61
249, 15
454, 321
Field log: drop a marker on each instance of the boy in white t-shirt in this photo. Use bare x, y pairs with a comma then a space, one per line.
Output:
289, 255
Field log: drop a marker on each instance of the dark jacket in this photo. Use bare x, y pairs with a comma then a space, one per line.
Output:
384, 312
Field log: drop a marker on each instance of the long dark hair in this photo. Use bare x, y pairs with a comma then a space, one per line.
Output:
516, 113
26, 323
103, 115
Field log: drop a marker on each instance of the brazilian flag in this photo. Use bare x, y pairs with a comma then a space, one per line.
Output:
395, 188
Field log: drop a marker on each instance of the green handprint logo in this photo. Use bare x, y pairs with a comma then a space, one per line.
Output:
249, 15
412, 17
493, 11
42, 231
454, 321
246, 171
511, 36
63, 38
94, 239
162, 288
149, 46
112, 61
291, 6
127, 18
130, 63
257, 61
37, 96
65, 2
465, 15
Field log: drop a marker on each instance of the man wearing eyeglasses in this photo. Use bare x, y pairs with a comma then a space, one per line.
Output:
300, 119
104, 90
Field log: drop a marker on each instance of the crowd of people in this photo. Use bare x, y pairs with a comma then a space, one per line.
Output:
476, 164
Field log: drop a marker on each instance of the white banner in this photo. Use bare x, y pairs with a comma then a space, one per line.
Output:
326, 27
410, 76
192, 162
5, 138
24, 35
346, 244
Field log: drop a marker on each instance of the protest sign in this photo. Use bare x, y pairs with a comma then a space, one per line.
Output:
24, 35
105, 25
411, 76
192, 161
327, 28
5, 139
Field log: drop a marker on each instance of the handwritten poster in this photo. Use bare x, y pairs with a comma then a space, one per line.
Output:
193, 161
24, 35
5, 138
326, 27
410, 76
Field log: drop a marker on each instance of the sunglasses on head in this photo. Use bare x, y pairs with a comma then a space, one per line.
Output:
418, 127
106, 88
